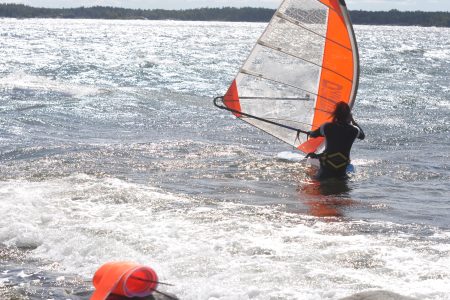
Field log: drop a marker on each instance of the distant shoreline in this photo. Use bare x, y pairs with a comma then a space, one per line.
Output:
227, 14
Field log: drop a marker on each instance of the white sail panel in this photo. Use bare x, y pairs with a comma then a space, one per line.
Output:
275, 65
311, 12
295, 40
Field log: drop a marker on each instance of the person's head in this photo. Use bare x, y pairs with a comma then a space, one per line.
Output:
342, 113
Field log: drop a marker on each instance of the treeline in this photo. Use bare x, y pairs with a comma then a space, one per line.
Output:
245, 14
405, 18
100, 12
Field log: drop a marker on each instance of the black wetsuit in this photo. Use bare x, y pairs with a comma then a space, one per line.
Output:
339, 140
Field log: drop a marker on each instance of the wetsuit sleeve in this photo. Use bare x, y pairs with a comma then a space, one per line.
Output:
318, 132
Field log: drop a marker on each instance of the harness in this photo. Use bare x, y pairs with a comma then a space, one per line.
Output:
333, 161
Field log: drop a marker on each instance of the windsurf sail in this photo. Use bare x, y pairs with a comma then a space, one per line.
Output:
303, 64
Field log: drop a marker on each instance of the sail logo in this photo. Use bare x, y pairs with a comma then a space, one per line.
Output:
331, 90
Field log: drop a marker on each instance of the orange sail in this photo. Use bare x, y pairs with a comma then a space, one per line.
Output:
305, 61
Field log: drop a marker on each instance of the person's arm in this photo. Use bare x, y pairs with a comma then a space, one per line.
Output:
361, 134
318, 132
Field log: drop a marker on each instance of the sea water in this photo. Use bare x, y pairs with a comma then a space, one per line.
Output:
111, 149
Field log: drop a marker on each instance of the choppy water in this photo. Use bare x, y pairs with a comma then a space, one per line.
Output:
111, 149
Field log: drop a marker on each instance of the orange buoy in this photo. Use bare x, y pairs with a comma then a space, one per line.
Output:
124, 279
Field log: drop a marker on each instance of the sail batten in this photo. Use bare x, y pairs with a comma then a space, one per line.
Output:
261, 77
275, 48
275, 98
297, 23
305, 62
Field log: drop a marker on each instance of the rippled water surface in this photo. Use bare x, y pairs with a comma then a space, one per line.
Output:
111, 149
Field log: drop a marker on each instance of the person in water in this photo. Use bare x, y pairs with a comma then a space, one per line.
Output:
339, 135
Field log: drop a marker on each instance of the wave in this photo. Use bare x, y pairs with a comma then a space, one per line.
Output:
22, 81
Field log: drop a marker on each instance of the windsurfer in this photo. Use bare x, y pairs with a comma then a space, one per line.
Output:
339, 135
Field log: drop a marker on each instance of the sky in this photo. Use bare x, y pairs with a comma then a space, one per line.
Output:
425, 5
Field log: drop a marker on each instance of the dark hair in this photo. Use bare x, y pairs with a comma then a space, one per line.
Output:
341, 112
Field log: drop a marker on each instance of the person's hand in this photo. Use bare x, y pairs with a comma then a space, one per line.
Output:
309, 135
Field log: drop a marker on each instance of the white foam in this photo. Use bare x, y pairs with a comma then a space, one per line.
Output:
23, 275
21, 80
407, 48
441, 54
210, 250
299, 157
365, 162
291, 156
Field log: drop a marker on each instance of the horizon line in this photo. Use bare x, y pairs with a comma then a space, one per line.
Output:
209, 7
